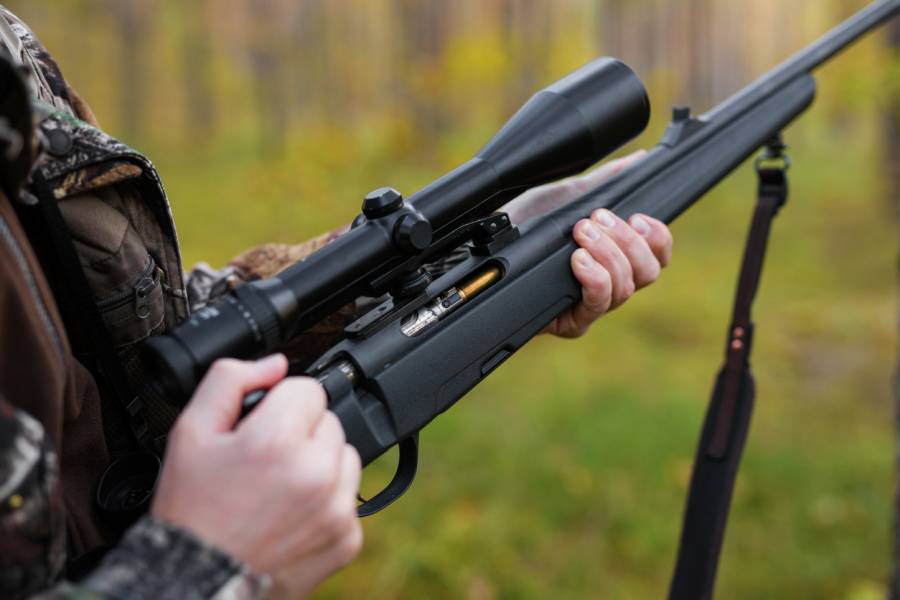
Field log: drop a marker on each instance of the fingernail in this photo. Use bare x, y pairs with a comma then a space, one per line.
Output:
270, 361
605, 218
585, 259
640, 224
590, 231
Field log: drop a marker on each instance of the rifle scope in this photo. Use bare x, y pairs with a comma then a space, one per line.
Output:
560, 131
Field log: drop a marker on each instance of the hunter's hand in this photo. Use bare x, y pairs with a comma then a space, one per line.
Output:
276, 490
616, 258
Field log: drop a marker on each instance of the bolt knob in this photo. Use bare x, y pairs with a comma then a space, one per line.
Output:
380, 202
413, 233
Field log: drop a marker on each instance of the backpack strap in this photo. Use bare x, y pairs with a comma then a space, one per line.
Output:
728, 415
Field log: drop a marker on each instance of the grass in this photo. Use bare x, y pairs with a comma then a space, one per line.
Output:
564, 475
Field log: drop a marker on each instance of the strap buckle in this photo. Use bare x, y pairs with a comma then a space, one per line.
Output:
773, 157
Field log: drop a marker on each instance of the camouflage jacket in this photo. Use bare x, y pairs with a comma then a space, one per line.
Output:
49, 401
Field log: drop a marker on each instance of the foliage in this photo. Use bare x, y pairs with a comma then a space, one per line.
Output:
563, 475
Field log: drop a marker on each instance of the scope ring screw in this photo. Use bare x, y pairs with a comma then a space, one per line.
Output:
381, 202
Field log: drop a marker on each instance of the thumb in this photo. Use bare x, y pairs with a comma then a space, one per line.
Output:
216, 403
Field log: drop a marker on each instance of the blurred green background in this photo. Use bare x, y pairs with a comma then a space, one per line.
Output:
565, 474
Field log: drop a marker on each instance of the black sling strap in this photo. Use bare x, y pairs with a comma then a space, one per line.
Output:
730, 408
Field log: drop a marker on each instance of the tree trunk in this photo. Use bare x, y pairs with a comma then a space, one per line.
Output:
198, 87
892, 170
267, 74
609, 24
132, 24
424, 29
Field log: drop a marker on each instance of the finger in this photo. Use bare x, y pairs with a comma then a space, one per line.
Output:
605, 251
351, 473
338, 510
329, 431
294, 408
596, 292
657, 235
216, 403
343, 499
644, 264
326, 443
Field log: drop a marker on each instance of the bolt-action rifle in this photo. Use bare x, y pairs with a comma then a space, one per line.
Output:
431, 340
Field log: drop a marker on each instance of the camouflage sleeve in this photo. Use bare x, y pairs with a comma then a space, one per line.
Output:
205, 285
159, 561
32, 526
154, 560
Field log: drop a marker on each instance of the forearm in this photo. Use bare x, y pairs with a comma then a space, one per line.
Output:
158, 561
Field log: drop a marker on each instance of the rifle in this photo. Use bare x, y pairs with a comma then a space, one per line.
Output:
433, 339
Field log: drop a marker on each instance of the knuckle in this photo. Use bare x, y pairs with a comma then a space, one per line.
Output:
649, 275
632, 244
597, 297
352, 543
340, 517
353, 455
262, 448
331, 421
302, 395
225, 368
312, 479
311, 391
628, 289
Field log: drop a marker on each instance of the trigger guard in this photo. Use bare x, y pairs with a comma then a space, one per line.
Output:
403, 477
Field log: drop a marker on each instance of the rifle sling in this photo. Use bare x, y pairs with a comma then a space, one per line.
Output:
728, 415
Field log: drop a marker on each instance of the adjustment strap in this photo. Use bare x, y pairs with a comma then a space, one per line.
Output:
728, 415
78, 293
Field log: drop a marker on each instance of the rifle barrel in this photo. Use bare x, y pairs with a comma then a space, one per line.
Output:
810, 58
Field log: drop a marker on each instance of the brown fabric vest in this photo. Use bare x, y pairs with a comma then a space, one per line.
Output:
39, 375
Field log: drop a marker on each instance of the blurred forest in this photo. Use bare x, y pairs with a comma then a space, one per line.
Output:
564, 475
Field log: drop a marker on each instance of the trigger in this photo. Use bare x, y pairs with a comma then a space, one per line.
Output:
403, 477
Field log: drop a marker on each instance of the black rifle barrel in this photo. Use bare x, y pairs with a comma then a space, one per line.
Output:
813, 56
668, 182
